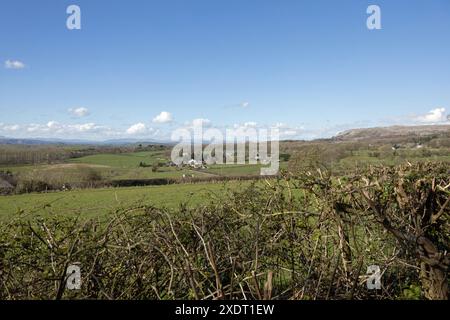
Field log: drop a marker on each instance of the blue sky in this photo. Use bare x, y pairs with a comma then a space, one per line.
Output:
310, 67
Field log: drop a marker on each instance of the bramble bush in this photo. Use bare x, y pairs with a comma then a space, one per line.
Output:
308, 235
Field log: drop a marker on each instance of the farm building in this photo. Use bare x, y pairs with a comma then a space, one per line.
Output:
195, 164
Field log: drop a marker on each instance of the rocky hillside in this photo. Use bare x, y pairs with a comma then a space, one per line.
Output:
395, 133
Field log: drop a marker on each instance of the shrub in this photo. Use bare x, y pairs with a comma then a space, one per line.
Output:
307, 235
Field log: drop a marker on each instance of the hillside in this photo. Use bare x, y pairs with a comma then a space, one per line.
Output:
394, 133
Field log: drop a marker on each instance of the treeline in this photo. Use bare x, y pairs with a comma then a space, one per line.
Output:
29, 155
17, 156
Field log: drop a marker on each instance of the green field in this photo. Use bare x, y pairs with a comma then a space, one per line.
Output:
125, 160
91, 203
122, 166
101, 202
125, 166
239, 169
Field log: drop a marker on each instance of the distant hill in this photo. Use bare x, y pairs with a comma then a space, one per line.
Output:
4, 140
45, 141
393, 133
134, 141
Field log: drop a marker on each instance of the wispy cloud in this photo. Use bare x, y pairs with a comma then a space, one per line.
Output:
11, 128
243, 105
14, 64
79, 112
54, 129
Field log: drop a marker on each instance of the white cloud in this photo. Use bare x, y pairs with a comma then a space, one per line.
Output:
163, 117
137, 128
55, 128
53, 125
250, 124
79, 112
435, 115
13, 127
86, 127
14, 64
245, 104
33, 127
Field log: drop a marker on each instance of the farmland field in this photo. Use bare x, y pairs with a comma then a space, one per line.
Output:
127, 166
126, 160
93, 203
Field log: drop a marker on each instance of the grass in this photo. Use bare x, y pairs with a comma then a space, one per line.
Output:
92, 203
109, 166
234, 170
99, 202
126, 166
124, 160
364, 159
112, 161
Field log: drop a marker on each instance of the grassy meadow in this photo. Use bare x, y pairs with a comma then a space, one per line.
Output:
99, 203
126, 166
113, 166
